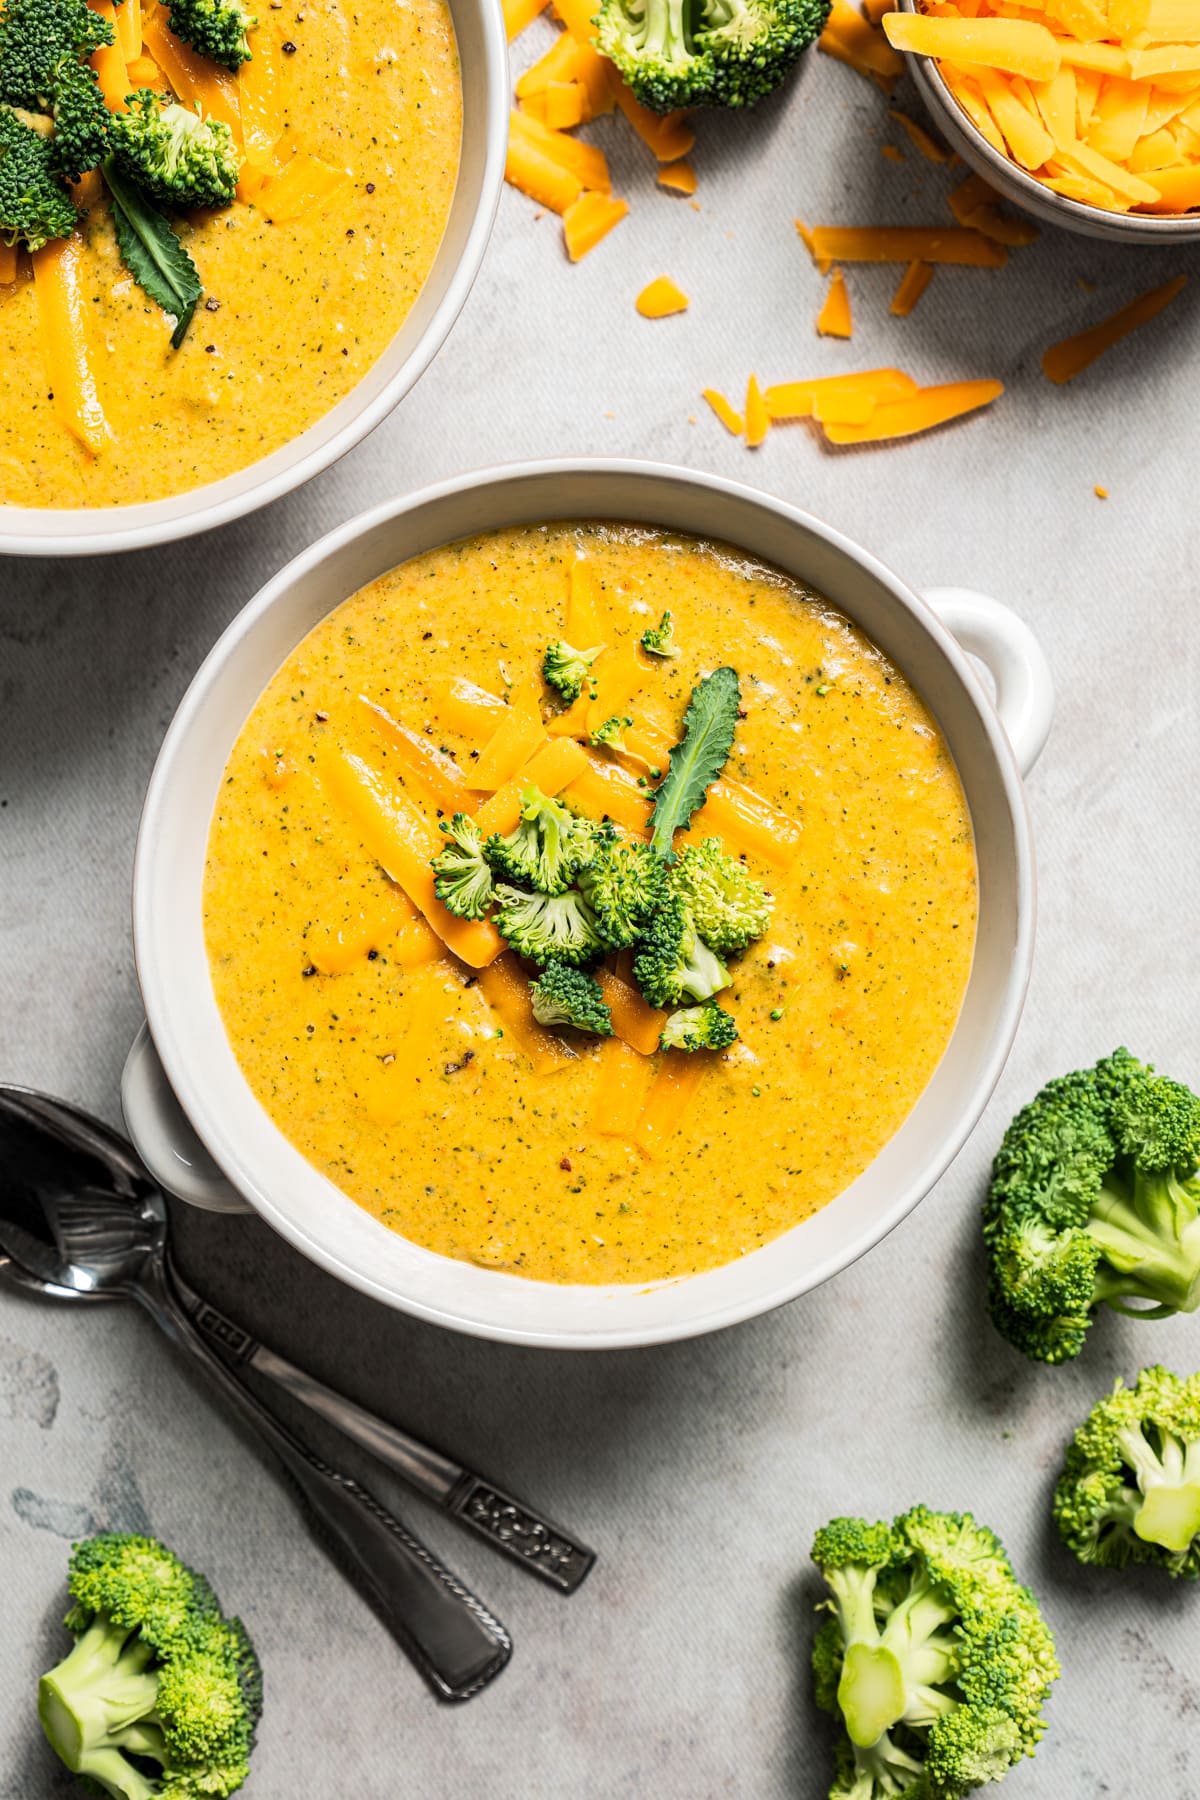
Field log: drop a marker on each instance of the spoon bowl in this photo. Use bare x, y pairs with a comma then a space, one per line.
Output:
76, 1209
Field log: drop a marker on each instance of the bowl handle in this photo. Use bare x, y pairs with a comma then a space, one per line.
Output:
1015, 659
163, 1136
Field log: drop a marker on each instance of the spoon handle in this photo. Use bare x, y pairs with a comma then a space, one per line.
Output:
451, 1637
508, 1524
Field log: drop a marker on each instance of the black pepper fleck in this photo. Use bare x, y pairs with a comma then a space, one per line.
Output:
211, 305
288, 48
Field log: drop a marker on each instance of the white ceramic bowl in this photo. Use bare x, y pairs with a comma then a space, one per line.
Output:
88, 531
1024, 189
235, 1151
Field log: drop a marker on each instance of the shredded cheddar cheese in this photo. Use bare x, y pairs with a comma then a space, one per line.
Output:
758, 419
730, 418
855, 41
915, 279
1062, 362
828, 244
589, 219
679, 176
871, 407
834, 319
1099, 99
520, 13
571, 85
660, 298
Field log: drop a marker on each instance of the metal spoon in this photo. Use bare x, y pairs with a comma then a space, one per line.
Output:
60, 1168
92, 1227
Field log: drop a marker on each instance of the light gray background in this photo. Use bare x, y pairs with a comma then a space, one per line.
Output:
699, 1472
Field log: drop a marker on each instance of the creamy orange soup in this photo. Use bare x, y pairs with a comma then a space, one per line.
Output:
419, 1084
296, 311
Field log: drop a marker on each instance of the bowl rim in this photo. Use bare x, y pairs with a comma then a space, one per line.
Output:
1034, 195
39, 533
170, 1035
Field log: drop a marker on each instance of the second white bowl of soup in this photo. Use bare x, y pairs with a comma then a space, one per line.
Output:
365, 1069
371, 154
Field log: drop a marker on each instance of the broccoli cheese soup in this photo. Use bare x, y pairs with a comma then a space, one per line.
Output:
341, 130
588, 902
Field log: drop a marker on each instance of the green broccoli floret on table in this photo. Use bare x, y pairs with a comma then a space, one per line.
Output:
547, 849
463, 879
1130, 1488
936, 1660
623, 884
44, 68
673, 963
711, 53
215, 28
563, 995
754, 44
548, 927
704, 1027
34, 204
161, 1694
172, 154
1094, 1199
729, 908
565, 669
659, 640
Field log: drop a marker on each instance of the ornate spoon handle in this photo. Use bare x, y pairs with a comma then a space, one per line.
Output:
449, 1635
508, 1524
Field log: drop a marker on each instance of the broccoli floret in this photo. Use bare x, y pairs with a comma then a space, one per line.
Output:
462, 874
173, 154
755, 43
157, 1675
565, 669
216, 28
706, 1027
936, 1660
655, 50
1094, 1199
623, 884
712, 53
563, 995
611, 734
1130, 1487
659, 640
548, 927
673, 963
730, 909
548, 848
44, 51
34, 204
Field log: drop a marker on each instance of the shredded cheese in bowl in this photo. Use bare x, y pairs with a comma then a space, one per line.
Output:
1098, 107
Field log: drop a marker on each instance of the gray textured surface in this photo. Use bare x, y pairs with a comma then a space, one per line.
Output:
700, 1471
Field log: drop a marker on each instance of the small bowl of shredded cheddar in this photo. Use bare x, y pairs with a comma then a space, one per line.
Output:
1085, 114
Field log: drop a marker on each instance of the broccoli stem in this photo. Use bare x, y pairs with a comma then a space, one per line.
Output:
871, 1689
1169, 1514
894, 1674
100, 1696
1151, 1238
666, 29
